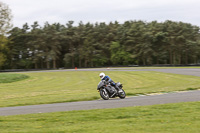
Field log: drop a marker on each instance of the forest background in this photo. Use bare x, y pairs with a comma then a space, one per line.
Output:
100, 44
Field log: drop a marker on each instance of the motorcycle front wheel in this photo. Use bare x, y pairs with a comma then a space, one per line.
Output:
122, 94
104, 94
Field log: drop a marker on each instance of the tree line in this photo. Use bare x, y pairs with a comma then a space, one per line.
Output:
100, 44
5, 25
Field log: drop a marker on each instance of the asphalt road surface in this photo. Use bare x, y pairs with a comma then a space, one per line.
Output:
113, 103
184, 71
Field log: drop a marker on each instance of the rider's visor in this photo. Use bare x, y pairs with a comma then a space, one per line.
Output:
101, 76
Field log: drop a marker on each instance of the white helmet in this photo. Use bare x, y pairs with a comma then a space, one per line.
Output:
102, 75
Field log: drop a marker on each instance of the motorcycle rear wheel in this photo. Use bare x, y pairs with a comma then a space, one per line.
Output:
104, 94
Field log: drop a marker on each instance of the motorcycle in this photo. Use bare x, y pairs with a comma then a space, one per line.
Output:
107, 91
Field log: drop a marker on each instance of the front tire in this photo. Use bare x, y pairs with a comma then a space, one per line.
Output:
122, 94
104, 94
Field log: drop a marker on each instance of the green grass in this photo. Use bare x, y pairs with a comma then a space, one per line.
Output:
168, 118
67, 86
9, 78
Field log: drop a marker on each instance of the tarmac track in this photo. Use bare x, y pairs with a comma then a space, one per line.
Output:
188, 96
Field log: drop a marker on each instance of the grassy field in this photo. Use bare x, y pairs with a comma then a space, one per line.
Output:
168, 118
66, 86
9, 78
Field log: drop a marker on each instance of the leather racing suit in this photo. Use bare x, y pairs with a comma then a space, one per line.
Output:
107, 78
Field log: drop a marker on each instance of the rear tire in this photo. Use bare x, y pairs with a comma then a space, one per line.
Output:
104, 94
122, 94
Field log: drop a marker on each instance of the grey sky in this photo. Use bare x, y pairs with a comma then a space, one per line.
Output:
103, 11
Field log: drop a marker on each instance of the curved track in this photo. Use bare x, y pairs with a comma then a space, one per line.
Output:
113, 103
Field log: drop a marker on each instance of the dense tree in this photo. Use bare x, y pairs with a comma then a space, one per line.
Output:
17, 48
3, 49
119, 55
101, 44
5, 18
71, 41
5, 25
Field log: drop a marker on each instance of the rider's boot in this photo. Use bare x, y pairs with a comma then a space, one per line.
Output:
117, 88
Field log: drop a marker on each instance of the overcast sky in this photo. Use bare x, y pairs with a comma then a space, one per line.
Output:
103, 11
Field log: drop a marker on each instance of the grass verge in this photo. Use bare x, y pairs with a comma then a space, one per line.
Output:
67, 86
9, 78
168, 118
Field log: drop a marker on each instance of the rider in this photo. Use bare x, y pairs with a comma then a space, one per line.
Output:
107, 78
